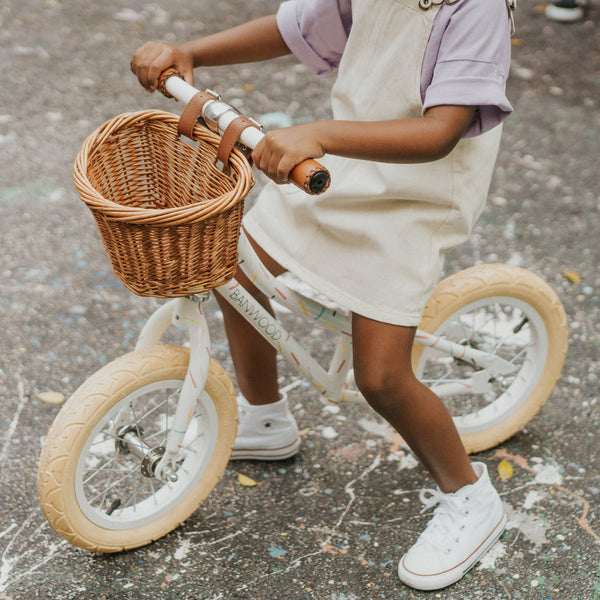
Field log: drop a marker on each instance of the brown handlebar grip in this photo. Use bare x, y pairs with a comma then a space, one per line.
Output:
310, 176
163, 79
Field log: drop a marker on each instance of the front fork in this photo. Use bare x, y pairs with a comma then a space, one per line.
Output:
183, 313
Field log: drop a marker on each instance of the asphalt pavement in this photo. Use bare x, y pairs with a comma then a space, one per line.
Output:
331, 523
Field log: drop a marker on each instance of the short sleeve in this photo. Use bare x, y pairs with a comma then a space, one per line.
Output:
468, 58
316, 31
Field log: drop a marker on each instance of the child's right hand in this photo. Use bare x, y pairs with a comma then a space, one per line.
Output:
153, 58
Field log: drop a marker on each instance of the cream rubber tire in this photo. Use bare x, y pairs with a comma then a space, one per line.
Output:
91, 484
507, 311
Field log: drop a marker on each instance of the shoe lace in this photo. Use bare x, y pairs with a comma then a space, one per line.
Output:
448, 519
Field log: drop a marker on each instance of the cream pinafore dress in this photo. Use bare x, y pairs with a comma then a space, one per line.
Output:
375, 242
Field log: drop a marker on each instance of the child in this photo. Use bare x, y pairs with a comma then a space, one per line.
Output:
411, 150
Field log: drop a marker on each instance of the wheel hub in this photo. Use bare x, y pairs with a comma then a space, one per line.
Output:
130, 439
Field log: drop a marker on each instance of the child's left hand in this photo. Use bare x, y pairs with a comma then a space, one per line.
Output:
421, 139
282, 149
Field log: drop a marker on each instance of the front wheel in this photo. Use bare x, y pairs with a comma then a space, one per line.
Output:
505, 311
96, 483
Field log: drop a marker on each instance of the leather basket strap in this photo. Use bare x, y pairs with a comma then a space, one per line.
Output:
229, 139
191, 113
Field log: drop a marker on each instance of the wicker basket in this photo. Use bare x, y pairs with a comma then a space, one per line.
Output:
168, 217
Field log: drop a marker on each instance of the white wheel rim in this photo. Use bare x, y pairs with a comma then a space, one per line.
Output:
518, 386
151, 499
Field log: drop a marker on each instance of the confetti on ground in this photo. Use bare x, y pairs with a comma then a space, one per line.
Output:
572, 276
246, 481
50, 397
276, 552
505, 469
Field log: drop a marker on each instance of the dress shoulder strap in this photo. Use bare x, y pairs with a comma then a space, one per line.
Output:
512, 6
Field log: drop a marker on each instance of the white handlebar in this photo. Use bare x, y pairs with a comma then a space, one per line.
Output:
180, 89
220, 113
309, 175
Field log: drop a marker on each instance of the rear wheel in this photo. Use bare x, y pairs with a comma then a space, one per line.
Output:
96, 481
505, 311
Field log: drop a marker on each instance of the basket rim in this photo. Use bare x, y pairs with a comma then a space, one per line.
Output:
156, 216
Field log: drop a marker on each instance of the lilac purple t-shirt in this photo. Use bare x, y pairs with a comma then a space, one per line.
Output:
466, 62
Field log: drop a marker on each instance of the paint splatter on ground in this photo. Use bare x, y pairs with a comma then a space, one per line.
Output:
346, 508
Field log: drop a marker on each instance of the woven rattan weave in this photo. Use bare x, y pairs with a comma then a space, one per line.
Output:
168, 217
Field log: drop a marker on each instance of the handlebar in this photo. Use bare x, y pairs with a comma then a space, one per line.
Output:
309, 175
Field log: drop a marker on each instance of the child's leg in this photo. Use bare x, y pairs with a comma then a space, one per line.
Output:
384, 374
267, 429
469, 516
254, 359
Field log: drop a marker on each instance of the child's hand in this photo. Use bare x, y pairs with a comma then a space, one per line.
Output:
282, 149
153, 58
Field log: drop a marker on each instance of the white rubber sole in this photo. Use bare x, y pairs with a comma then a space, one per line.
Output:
281, 453
437, 581
564, 15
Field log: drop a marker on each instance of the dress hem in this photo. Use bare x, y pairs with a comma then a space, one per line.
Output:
334, 293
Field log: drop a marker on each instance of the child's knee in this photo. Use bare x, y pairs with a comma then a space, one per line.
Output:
384, 388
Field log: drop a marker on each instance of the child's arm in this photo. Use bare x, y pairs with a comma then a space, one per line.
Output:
253, 41
401, 141
423, 139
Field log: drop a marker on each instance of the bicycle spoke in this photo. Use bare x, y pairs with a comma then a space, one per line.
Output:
157, 407
501, 328
112, 485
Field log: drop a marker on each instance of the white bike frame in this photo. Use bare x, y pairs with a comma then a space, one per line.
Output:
333, 383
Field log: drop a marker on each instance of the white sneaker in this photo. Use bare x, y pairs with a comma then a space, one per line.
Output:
464, 526
566, 11
265, 432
